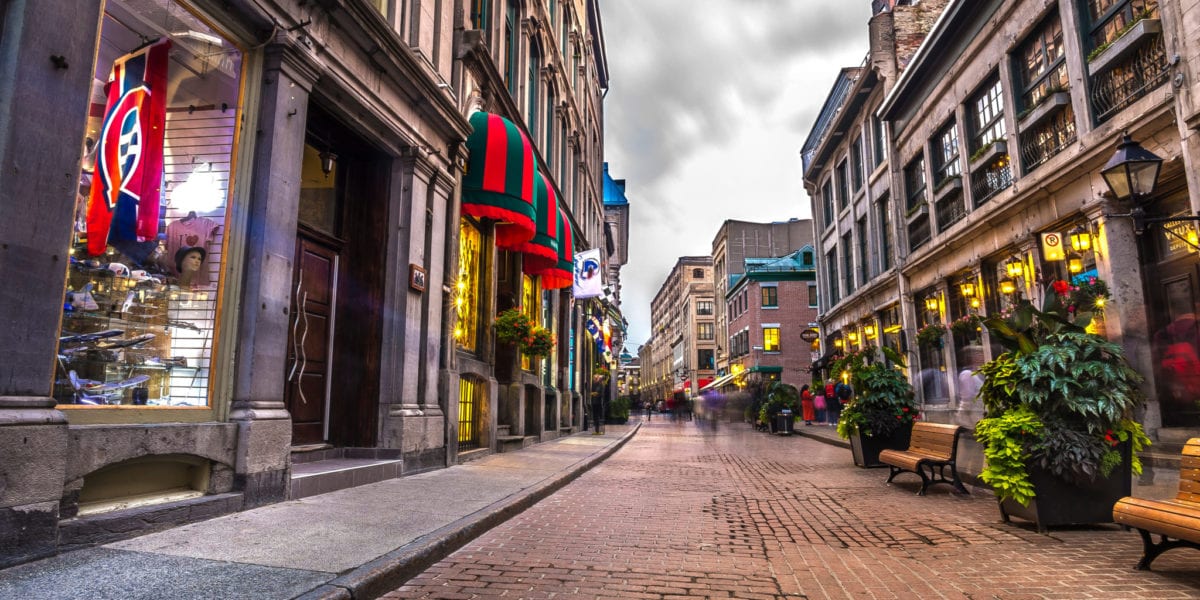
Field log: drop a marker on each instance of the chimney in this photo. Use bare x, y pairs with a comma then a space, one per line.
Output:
897, 33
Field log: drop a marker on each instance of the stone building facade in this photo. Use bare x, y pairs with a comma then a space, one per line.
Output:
982, 167
682, 345
265, 200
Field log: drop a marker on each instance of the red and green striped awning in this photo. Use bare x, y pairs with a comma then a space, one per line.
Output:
562, 274
541, 252
499, 180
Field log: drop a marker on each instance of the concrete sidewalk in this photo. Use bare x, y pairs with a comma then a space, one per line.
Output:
355, 543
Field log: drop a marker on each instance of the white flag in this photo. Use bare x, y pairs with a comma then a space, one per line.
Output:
588, 281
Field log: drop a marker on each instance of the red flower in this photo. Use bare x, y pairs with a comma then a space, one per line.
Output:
899, 418
905, 409
1061, 287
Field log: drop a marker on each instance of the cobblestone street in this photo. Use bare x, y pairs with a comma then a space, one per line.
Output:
684, 510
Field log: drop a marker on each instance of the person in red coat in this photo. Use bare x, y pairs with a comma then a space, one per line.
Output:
806, 405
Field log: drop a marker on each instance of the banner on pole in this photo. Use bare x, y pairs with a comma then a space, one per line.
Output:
588, 281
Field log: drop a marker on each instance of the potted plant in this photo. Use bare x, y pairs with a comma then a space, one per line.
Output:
1058, 431
779, 407
881, 412
618, 411
931, 335
967, 326
516, 329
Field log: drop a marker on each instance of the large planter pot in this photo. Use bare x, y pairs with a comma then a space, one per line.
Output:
866, 449
1057, 502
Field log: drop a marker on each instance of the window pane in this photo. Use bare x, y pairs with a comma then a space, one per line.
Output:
140, 314
770, 339
466, 292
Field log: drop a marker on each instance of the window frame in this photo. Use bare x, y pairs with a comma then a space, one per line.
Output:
769, 295
986, 108
771, 332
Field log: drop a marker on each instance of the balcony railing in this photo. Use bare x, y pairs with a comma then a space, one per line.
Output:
1128, 80
949, 209
990, 179
1048, 138
918, 233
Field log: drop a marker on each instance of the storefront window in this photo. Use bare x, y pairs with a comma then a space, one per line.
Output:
529, 308
140, 307
466, 292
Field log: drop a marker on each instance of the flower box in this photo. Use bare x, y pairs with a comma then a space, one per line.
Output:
997, 149
1049, 106
947, 186
1122, 46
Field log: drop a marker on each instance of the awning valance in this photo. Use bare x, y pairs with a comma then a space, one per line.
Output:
541, 252
720, 381
499, 180
562, 274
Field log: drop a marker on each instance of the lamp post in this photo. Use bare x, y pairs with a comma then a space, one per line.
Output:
1132, 174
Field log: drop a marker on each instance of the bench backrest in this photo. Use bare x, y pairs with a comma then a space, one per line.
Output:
1189, 472
939, 439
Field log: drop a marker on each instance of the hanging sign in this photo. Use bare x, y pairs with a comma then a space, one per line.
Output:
1052, 247
588, 282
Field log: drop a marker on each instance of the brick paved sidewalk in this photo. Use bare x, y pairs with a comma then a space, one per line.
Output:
683, 511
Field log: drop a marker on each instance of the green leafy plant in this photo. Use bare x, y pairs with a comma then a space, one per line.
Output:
931, 334
883, 397
1059, 393
1098, 50
513, 327
967, 326
978, 154
619, 409
779, 397
600, 374
539, 343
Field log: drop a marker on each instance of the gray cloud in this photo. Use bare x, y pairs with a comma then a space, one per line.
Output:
704, 95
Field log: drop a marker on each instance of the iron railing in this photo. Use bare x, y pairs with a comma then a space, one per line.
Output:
949, 209
1050, 137
1129, 80
918, 233
990, 180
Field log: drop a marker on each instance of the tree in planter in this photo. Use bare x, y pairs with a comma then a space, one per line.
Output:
779, 396
883, 398
1058, 398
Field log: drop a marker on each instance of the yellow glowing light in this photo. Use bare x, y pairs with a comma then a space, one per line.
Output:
838, 343
458, 332
1007, 286
869, 331
967, 289
853, 335
1015, 267
1075, 264
931, 303
1081, 239
975, 303
1100, 302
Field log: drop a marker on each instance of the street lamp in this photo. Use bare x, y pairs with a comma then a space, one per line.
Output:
931, 303
1014, 267
1081, 240
1132, 173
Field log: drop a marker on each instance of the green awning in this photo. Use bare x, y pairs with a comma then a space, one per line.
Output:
765, 369
541, 252
499, 183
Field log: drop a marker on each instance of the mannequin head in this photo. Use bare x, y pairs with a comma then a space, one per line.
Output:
188, 261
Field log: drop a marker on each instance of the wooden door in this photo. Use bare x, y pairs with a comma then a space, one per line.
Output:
314, 301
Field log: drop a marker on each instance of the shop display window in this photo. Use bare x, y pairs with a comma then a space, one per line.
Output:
140, 309
466, 291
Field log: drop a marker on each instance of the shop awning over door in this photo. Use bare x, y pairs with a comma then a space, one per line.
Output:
541, 252
499, 183
562, 274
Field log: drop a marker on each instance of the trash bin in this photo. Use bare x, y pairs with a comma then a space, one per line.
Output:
784, 422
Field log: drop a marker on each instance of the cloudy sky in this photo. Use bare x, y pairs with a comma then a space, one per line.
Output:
708, 105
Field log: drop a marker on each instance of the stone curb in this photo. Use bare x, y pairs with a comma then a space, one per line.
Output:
390, 571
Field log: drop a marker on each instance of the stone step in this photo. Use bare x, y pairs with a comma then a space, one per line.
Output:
333, 474
511, 443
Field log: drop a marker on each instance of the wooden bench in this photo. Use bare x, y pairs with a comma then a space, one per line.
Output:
1178, 518
931, 451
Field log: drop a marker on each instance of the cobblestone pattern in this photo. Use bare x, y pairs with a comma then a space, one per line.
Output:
684, 512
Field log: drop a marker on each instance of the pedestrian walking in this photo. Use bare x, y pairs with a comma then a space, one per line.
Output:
807, 410
819, 404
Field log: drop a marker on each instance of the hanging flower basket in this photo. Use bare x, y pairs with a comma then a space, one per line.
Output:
539, 343
931, 335
516, 329
967, 326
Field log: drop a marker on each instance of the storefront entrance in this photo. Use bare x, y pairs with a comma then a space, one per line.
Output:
1172, 300
337, 288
